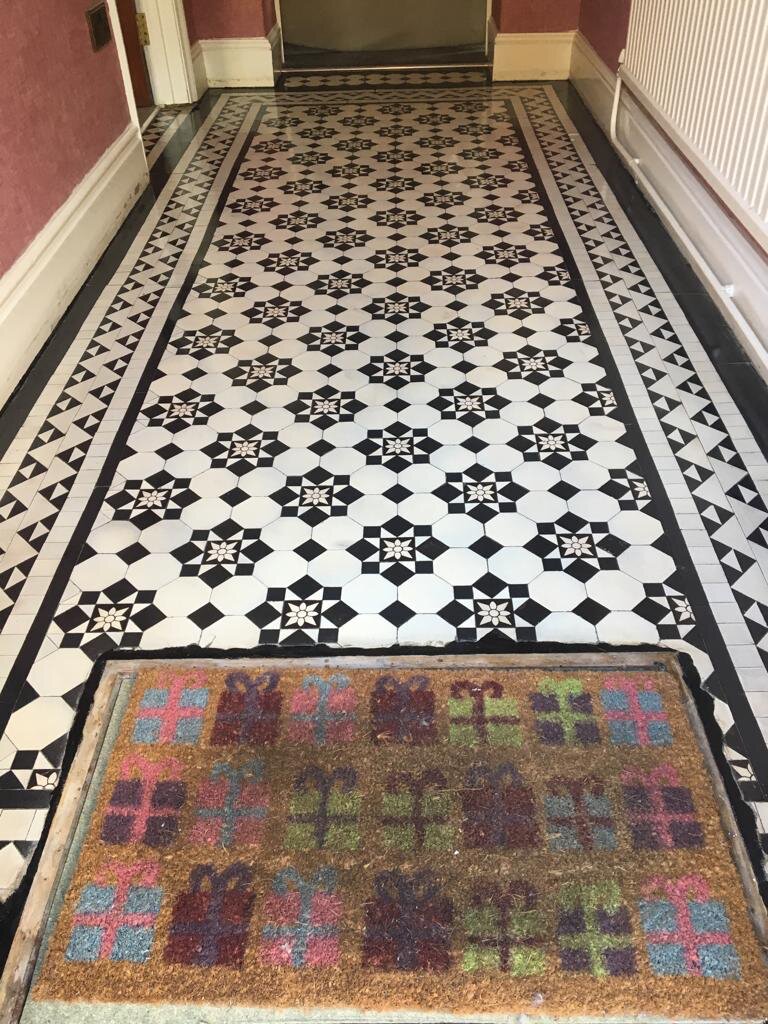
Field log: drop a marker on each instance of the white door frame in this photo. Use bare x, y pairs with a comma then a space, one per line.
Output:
488, 16
169, 54
117, 35
279, 24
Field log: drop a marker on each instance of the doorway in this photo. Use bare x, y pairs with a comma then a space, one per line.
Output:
141, 85
365, 33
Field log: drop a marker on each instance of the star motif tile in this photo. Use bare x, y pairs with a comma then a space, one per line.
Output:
480, 493
215, 555
397, 447
244, 450
316, 496
553, 443
397, 550
493, 608
262, 372
325, 407
301, 615
144, 502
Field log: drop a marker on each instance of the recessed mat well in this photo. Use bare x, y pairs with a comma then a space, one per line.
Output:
405, 838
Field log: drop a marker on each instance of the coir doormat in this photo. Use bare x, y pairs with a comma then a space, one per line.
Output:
421, 839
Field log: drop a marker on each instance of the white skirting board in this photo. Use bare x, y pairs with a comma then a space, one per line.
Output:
594, 80
531, 56
275, 40
233, 63
730, 266
198, 69
38, 288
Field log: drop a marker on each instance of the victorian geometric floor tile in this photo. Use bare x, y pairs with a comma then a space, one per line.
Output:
385, 367
157, 134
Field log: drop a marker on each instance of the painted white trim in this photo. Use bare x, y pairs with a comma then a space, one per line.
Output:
716, 180
122, 57
238, 62
490, 37
532, 56
730, 266
275, 40
198, 69
38, 288
279, 23
593, 79
169, 56
707, 235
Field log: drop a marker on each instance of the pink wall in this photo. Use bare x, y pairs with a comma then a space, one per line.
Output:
270, 17
228, 19
536, 15
62, 107
605, 24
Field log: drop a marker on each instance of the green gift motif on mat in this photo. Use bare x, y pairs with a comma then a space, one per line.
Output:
595, 931
415, 812
479, 713
505, 930
324, 811
564, 714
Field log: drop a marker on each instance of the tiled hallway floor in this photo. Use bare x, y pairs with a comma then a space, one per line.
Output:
383, 366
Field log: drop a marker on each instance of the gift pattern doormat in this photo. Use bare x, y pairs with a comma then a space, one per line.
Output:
424, 839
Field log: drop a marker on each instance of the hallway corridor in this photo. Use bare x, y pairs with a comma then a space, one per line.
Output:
385, 364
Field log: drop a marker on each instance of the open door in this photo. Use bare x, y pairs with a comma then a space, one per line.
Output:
134, 50
398, 31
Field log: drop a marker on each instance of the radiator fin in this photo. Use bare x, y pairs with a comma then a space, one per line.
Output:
704, 66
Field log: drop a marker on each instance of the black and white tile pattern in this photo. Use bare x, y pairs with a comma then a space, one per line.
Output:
369, 79
157, 134
378, 409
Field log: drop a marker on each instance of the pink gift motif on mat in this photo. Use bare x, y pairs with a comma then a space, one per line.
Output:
145, 802
660, 811
116, 915
248, 710
174, 713
635, 714
232, 806
211, 920
686, 931
303, 921
324, 711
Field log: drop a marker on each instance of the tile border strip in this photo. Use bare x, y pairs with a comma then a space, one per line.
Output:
641, 403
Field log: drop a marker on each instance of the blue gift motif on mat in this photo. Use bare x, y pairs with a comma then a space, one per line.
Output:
686, 931
579, 815
635, 713
115, 916
172, 714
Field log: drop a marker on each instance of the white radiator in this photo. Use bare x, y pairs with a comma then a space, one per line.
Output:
701, 66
